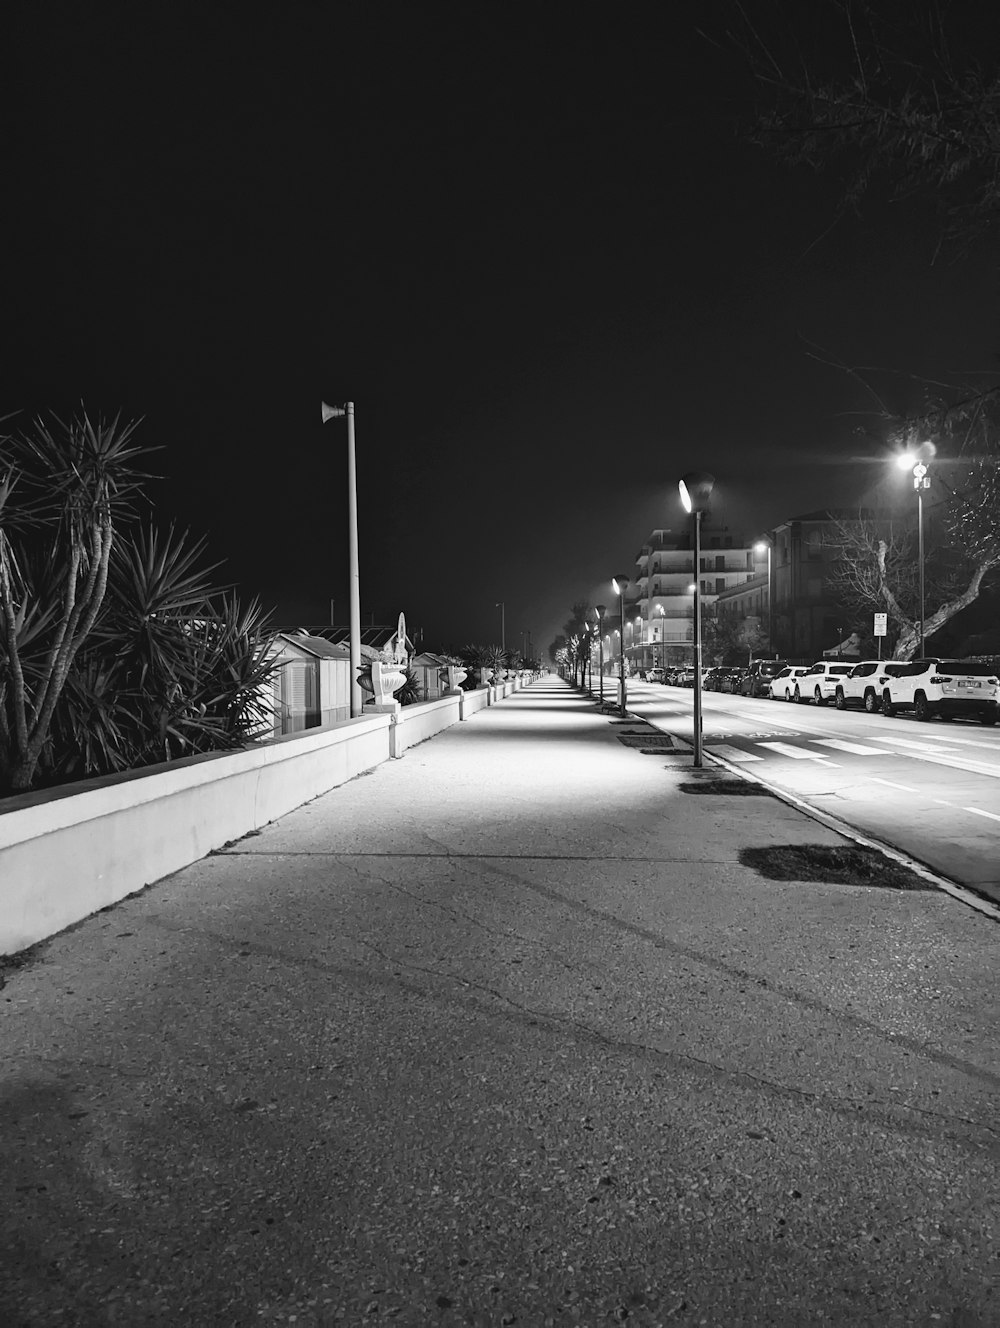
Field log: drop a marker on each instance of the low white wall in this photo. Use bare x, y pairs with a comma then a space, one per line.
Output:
476, 699
67, 852
64, 853
416, 723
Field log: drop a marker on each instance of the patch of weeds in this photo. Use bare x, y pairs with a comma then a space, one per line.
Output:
741, 788
852, 865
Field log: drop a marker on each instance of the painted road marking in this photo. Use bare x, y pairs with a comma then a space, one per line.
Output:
732, 753
798, 753
855, 747
921, 746
903, 788
978, 811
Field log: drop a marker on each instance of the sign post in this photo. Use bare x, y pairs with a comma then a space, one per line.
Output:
881, 622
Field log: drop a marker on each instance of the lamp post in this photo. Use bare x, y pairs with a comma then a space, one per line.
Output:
503, 628
620, 584
916, 463
601, 610
660, 611
329, 413
695, 490
760, 547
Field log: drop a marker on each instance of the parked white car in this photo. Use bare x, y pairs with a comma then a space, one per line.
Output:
861, 687
783, 683
945, 687
819, 682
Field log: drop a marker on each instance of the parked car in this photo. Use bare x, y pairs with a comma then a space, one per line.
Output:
783, 683
757, 679
714, 678
819, 682
945, 687
733, 681
862, 686
656, 674
685, 677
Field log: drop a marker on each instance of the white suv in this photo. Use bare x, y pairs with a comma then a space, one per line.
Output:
783, 683
945, 687
862, 686
819, 682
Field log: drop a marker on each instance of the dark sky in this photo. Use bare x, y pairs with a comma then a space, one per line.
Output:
527, 240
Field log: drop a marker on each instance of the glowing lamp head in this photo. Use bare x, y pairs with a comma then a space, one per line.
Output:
696, 489
620, 584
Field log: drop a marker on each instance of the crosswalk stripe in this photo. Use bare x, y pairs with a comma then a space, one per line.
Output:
934, 747
733, 753
855, 747
798, 753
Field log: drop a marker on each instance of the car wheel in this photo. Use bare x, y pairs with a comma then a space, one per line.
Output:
871, 701
920, 707
788, 695
798, 697
988, 720
839, 700
888, 708
819, 698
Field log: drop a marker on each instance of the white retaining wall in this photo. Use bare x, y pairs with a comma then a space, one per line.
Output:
67, 852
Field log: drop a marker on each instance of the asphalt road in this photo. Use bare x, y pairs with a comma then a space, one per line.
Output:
931, 790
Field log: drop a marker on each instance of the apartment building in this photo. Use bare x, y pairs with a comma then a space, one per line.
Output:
660, 607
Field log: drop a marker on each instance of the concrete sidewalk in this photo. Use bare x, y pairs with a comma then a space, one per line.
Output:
504, 1032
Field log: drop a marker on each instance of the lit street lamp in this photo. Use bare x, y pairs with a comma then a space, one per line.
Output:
916, 463
601, 610
620, 584
329, 413
695, 490
760, 547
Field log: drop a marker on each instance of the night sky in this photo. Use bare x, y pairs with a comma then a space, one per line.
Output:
529, 241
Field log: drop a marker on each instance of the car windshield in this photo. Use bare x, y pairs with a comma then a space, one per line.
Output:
841, 668
966, 668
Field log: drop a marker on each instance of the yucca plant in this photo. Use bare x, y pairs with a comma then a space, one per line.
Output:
65, 489
173, 668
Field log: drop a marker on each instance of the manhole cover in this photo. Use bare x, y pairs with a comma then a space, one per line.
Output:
844, 866
730, 787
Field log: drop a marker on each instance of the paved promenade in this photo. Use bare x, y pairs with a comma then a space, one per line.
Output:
505, 1033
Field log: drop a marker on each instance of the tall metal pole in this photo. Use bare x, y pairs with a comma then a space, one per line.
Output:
503, 628
770, 605
920, 557
622, 698
357, 703
697, 638
330, 413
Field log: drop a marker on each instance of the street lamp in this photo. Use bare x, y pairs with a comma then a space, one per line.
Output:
660, 611
503, 628
601, 610
620, 584
695, 490
916, 463
761, 546
329, 413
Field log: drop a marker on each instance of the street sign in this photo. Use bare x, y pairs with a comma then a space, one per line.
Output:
881, 620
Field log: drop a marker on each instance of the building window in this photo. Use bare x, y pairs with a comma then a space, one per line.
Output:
720, 563
720, 584
714, 542
729, 541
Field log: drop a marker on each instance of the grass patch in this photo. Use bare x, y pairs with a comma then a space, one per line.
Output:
741, 788
853, 865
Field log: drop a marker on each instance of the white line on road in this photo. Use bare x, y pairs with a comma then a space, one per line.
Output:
855, 747
903, 788
920, 746
797, 753
978, 811
733, 753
